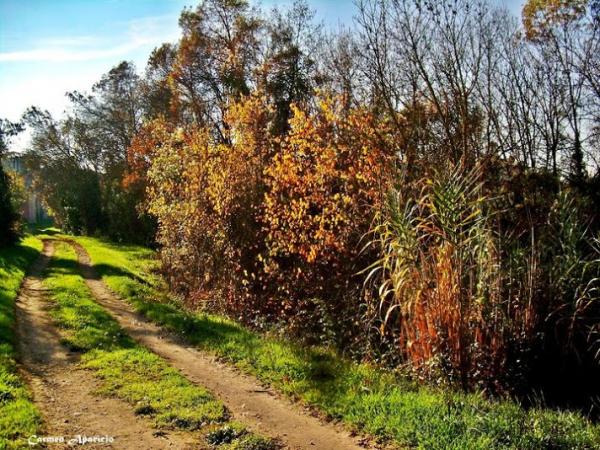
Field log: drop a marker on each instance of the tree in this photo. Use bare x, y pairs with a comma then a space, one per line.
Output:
215, 60
155, 90
9, 215
567, 33
539, 16
289, 67
91, 142
433, 54
206, 195
324, 185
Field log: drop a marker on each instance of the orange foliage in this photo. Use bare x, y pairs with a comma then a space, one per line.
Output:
325, 183
206, 195
268, 222
539, 16
139, 152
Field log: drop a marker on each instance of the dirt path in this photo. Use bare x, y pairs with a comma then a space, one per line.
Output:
63, 392
249, 401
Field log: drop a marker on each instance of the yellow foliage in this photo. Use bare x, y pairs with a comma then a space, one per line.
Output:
332, 169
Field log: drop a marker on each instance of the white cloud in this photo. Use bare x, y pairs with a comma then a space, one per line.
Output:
74, 41
63, 54
44, 90
139, 33
61, 64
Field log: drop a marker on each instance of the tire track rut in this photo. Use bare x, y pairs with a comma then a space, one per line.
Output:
64, 392
258, 407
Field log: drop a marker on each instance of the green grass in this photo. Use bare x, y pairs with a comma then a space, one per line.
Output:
364, 397
126, 370
19, 417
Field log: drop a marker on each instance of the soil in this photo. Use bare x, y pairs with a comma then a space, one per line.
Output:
65, 393
257, 406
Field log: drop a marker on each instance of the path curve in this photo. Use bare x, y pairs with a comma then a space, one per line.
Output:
258, 407
64, 392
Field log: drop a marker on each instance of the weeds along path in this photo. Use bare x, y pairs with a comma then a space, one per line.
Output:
248, 400
63, 392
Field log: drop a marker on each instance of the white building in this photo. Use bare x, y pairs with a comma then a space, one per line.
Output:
32, 210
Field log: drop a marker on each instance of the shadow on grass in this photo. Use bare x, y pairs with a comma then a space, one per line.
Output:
89, 325
14, 261
109, 270
379, 402
317, 371
17, 257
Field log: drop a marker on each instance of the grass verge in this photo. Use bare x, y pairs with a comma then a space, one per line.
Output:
128, 371
364, 397
19, 417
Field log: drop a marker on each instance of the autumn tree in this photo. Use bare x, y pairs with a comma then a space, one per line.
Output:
206, 195
540, 16
324, 185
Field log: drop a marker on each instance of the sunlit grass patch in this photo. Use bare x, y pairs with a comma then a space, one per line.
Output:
378, 402
126, 370
19, 417
156, 389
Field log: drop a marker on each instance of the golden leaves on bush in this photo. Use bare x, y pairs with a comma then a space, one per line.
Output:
331, 170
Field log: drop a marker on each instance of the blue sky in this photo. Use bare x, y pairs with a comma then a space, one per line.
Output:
48, 47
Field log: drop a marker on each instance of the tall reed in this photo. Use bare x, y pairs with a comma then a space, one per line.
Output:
468, 302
